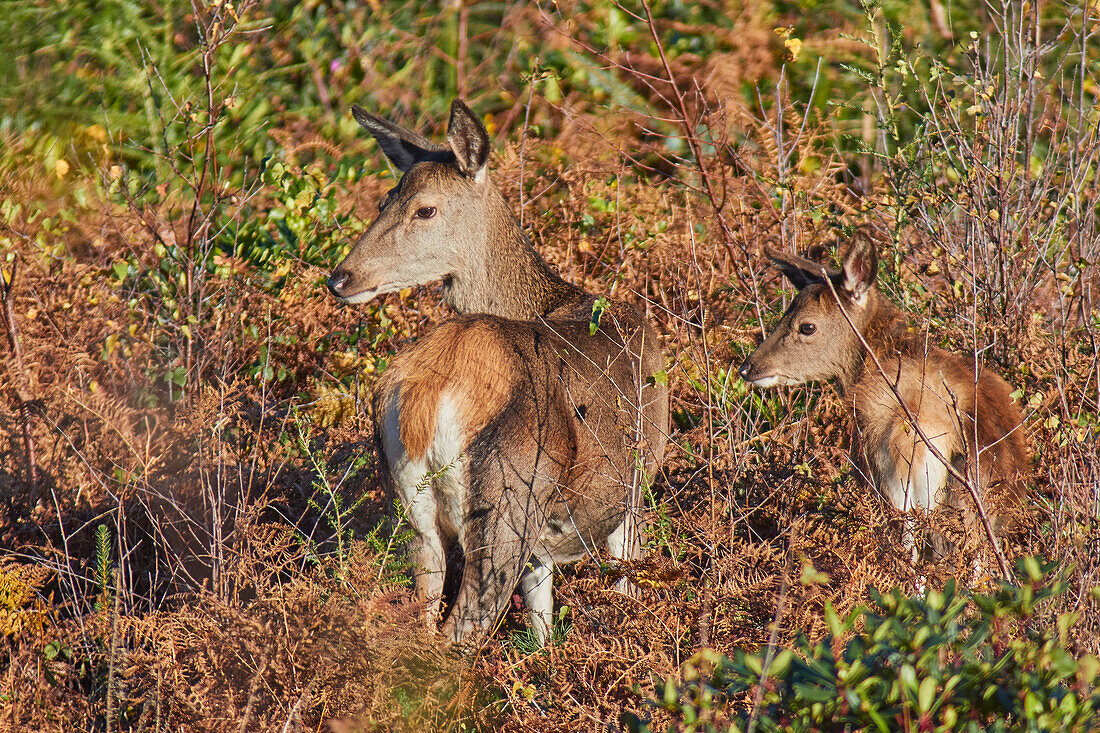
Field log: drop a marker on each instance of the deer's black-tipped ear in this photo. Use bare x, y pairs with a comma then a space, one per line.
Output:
469, 141
799, 270
860, 268
403, 147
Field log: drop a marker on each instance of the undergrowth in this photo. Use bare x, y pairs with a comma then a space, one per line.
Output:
947, 659
193, 530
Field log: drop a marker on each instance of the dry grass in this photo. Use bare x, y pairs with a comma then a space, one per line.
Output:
249, 573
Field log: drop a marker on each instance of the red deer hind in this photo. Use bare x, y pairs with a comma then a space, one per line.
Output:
972, 422
513, 435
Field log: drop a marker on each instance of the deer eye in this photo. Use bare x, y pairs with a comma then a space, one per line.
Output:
807, 329
425, 212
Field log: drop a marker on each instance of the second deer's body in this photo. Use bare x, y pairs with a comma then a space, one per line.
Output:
966, 415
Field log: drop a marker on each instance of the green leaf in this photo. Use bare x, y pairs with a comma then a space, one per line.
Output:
781, 663
831, 618
598, 308
926, 694
908, 678
671, 696
1032, 569
660, 377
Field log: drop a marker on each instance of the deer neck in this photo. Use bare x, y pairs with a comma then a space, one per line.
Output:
883, 329
503, 275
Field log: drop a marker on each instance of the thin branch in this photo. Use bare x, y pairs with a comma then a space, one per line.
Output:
23, 396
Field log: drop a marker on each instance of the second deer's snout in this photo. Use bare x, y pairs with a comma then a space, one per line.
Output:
752, 372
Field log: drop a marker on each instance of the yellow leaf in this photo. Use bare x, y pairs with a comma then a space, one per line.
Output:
794, 47
61, 167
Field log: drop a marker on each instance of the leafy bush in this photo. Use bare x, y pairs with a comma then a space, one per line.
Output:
948, 660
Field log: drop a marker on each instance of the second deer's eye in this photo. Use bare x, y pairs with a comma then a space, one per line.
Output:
807, 329
425, 212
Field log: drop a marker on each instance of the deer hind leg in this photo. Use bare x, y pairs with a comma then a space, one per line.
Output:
504, 519
496, 545
538, 594
428, 554
410, 477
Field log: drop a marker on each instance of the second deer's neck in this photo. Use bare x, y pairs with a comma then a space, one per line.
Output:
885, 332
505, 276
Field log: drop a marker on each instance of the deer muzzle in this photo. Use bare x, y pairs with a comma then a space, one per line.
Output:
754, 375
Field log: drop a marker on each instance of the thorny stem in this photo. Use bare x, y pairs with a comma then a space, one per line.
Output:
955, 473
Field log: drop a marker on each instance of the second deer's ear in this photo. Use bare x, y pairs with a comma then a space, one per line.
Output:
860, 268
469, 141
799, 270
403, 147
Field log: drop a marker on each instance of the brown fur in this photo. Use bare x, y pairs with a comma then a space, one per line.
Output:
465, 359
970, 417
540, 463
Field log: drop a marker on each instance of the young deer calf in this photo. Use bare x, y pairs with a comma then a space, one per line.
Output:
514, 434
970, 420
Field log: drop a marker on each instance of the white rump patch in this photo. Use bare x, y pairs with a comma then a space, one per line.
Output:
436, 482
407, 474
445, 458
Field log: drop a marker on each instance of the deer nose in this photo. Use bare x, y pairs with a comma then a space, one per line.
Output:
337, 281
744, 370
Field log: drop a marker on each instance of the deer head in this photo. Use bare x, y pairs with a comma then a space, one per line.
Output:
813, 341
432, 223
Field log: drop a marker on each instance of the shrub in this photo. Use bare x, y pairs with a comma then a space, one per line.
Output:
946, 660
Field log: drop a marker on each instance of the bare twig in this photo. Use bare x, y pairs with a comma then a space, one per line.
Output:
773, 634
689, 134
23, 394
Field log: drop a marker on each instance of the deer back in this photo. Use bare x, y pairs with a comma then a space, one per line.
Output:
581, 399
